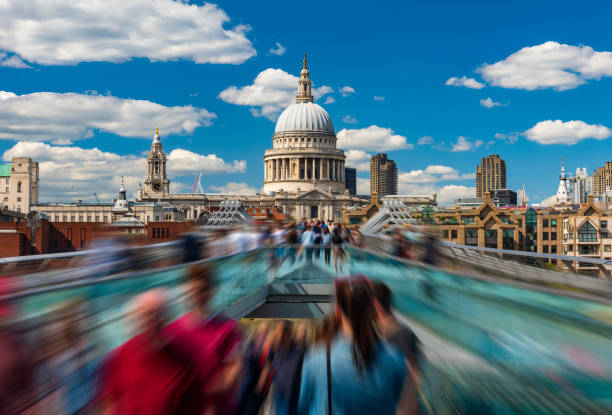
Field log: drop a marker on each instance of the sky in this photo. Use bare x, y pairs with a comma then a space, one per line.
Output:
436, 85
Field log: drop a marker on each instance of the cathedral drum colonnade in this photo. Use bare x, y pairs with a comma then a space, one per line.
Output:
304, 156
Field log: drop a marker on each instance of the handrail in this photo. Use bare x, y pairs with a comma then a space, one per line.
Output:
71, 254
597, 261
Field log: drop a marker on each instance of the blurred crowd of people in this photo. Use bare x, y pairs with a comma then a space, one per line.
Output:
359, 359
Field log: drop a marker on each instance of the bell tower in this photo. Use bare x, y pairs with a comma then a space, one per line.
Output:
156, 182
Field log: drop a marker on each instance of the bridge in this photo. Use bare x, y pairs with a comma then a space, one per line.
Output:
498, 336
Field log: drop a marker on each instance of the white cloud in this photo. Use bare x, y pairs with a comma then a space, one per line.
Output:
464, 81
15, 62
549, 65
489, 103
379, 98
549, 201
69, 173
71, 116
510, 138
66, 32
433, 174
446, 195
425, 140
329, 100
463, 144
569, 132
278, 51
181, 162
372, 138
233, 188
271, 92
358, 159
345, 91
363, 186
349, 119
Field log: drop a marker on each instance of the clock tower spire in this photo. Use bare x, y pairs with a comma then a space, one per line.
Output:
156, 182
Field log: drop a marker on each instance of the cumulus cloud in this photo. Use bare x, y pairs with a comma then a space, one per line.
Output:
66, 32
373, 138
349, 119
14, 62
549, 65
271, 91
358, 159
549, 201
464, 81
446, 195
233, 188
425, 140
363, 186
489, 103
70, 116
569, 132
279, 50
463, 144
329, 100
345, 91
379, 98
433, 174
510, 138
69, 173
181, 162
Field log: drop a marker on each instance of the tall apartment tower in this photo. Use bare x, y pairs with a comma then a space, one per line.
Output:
490, 175
383, 176
602, 179
19, 184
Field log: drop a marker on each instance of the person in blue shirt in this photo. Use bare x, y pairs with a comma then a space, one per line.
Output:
367, 374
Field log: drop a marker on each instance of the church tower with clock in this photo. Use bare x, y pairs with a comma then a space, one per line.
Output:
156, 182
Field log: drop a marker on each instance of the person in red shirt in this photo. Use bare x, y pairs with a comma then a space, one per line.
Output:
148, 374
212, 342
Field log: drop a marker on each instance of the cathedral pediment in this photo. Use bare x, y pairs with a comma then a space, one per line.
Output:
315, 194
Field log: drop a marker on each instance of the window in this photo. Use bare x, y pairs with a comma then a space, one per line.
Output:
445, 234
553, 236
545, 223
604, 223
105, 219
587, 233
156, 218
18, 187
6, 198
97, 218
148, 219
80, 218
570, 248
545, 249
65, 218
57, 218
88, 218
553, 249
19, 199
553, 222
454, 234
607, 248
72, 218
545, 236
468, 220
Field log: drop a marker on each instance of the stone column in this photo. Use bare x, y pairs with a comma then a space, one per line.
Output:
331, 170
284, 167
321, 168
342, 170
327, 161
314, 167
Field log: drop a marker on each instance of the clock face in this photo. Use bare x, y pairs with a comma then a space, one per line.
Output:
157, 186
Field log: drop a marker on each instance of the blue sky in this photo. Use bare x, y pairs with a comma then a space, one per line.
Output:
83, 88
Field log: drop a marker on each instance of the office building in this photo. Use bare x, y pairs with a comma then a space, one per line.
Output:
383, 176
350, 180
490, 175
602, 179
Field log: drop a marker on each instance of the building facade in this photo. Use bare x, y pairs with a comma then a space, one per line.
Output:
19, 184
350, 180
156, 181
383, 175
602, 179
490, 175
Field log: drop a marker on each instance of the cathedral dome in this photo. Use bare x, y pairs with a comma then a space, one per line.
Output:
304, 116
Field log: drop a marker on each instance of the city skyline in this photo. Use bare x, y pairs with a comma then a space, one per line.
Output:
87, 115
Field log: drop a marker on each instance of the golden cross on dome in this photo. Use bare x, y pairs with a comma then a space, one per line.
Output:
305, 61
